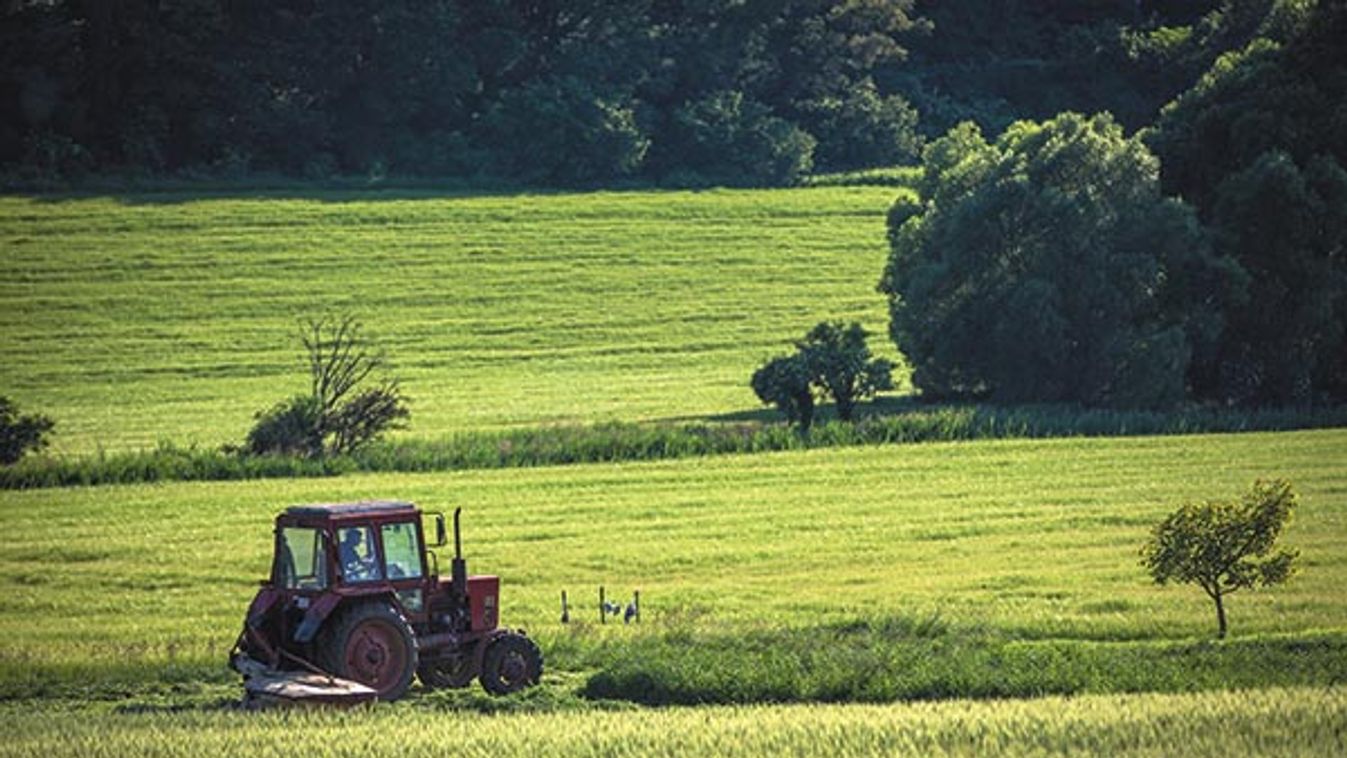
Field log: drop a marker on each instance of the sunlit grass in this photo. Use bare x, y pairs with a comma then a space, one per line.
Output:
161, 317
1003, 540
1282, 722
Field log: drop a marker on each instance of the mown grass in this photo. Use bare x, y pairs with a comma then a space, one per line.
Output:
618, 441
1281, 722
943, 570
141, 318
889, 176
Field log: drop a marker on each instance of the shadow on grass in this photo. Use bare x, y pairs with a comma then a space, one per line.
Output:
878, 663
823, 412
136, 192
889, 422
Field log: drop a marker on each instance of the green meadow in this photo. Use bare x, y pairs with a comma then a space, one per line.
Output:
947, 598
990, 570
158, 317
973, 545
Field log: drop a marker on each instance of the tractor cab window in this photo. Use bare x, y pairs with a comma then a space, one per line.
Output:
359, 563
300, 561
402, 551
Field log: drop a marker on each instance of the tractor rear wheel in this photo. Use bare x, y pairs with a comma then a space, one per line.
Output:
370, 643
512, 662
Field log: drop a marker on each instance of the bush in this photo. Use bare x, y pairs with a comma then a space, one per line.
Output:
338, 416
785, 382
832, 360
291, 427
20, 434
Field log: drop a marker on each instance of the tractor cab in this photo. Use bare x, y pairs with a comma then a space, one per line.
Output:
357, 549
354, 592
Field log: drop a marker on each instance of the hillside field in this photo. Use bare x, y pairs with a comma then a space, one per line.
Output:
157, 317
957, 598
1032, 540
996, 567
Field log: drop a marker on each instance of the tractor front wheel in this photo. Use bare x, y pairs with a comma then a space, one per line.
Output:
370, 643
512, 662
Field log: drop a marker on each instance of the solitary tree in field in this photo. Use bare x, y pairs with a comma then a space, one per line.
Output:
341, 413
1223, 546
840, 363
19, 434
832, 360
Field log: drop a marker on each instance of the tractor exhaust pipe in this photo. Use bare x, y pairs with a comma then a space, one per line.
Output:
459, 568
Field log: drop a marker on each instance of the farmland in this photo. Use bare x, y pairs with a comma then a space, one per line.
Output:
161, 317
1005, 563
116, 584
952, 597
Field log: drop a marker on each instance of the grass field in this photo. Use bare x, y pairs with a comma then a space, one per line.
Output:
780, 590
164, 317
1279, 722
987, 543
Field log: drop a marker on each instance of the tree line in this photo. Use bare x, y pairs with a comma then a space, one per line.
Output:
568, 91
1203, 258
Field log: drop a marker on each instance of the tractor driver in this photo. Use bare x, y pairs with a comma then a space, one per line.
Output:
357, 560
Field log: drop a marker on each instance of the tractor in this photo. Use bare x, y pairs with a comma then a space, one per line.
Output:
355, 596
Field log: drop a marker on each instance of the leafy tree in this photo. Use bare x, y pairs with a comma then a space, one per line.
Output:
340, 414
839, 362
1046, 266
862, 128
562, 131
1224, 546
832, 360
1259, 146
20, 433
785, 382
731, 138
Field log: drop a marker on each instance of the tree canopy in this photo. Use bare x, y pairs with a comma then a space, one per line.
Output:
572, 91
534, 90
1223, 546
833, 360
1047, 266
1259, 147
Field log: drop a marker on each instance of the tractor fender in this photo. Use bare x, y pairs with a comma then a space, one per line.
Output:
260, 606
315, 616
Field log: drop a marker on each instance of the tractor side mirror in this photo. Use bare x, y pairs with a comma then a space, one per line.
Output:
441, 533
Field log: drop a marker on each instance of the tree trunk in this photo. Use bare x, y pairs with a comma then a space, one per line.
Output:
846, 404
1220, 615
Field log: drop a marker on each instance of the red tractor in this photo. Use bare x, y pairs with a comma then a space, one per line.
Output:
353, 594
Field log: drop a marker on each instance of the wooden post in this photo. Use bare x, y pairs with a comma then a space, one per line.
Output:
603, 608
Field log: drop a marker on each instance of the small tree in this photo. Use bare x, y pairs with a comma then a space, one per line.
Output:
338, 415
784, 382
19, 434
832, 360
839, 362
1224, 546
